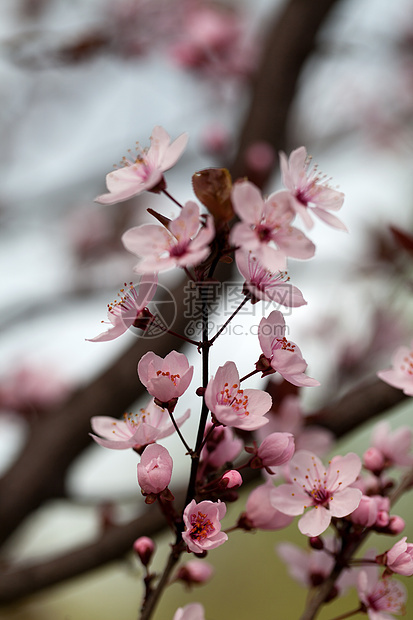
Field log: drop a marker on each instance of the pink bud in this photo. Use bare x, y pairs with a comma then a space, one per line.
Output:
276, 449
144, 547
373, 460
396, 525
231, 479
382, 519
155, 469
195, 571
366, 512
400, 558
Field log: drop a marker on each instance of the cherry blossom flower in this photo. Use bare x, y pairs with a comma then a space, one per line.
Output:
399, 559
202, 525
123, 313
154, 469
310, 568
144, 172
394, 447
260, 512
165, 378
135, 430
309, 191
276, 449
326, 491
194, 572
232, 479
232, 405
381, 597
266, 223
183, 244
266, 285
280, 354
401, 374
192, 611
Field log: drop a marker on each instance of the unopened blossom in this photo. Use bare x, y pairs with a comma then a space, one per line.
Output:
265, 227
366, 512
260, 513
154, 469
143, 171
264, 284
135, 430
126, 311
326, 491
396, 525
395, 447
184, 243
165, 378
401, 374
309, 190
276, 449
194, 572
399, 559
203, 525
381, 597
192, 611
373, 460
232, 479
281, 355
144, 547
234, 406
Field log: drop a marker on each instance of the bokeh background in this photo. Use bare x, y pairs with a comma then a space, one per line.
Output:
80, 82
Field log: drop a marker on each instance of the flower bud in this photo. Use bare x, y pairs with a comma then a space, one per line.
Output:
399, 559
195, 572
396, 525
231, 479
382, 519
144, 547
155, 469
373, 460
316, 542
276, 449
366, 512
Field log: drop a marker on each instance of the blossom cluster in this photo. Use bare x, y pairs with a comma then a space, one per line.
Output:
275, 439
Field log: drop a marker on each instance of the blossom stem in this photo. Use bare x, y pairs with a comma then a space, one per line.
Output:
213, 427
151, 601
164, 191
349, 613
166, 330
178, 430
250, 374
244, 301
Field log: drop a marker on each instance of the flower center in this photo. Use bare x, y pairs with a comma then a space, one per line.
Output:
173, 378
201, 526
283, 343
407, 365
235, 398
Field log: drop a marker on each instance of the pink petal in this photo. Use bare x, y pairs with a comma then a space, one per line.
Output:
344, 502
315, 521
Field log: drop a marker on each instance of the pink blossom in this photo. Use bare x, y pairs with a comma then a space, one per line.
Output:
165, 379
401, 374
183, 244
280, 354
366, 512
126, 311
202, 525
309, 191
260, 512
396, 525
154, 469
276, 449
135, 430
394, 446
232, 405
144, 172
399, 559
326, 491
232, 479
221, 446
265, 224
373, 460
192, 611
195, 572
144, 547
266, 285
380, 596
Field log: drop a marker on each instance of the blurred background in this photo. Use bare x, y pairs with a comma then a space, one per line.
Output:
80, 83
